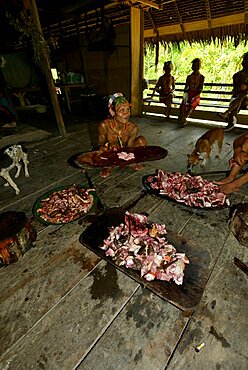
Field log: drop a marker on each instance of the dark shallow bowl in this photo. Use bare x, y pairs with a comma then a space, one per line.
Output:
37, 205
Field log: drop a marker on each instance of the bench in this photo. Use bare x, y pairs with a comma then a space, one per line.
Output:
215, 98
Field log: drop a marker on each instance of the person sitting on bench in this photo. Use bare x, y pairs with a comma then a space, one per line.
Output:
165, 87
239, 98
193, 88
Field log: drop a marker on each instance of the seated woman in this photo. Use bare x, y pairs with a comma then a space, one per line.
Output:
165, 87
118, 131
240, 157
193, 88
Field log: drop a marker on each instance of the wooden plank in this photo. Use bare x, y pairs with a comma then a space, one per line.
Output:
197, 114
221, 319
209, 226
126, 189
45, 274
65, 335
194, 26
45, 61
136, 35
143, 336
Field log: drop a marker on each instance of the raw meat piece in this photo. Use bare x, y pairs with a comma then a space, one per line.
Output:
141, 245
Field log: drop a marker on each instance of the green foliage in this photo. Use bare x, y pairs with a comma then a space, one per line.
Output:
220, 60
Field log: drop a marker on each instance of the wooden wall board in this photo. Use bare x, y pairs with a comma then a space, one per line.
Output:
143, 336
220, 320
108, 80
68, 331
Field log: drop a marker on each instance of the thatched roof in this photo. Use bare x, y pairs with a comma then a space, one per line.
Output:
196, 20
168, 20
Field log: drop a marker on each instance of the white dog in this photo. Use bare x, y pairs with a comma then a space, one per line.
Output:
16, 153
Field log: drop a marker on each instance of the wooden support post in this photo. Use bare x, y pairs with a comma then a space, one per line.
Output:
45, 60
136, 60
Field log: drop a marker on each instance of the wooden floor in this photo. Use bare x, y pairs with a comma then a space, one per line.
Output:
64, 308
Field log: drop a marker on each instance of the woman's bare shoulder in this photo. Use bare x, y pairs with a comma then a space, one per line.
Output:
105, 122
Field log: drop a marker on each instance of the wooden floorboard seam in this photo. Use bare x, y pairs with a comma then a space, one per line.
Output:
186, 223
178, 341
49, 311
106, 328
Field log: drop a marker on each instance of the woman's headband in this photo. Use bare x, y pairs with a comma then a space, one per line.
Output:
113, 98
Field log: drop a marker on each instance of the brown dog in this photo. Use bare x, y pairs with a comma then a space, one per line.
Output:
204, 145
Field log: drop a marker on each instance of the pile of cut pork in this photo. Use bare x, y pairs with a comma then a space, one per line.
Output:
141, 245
65, 205
193, 191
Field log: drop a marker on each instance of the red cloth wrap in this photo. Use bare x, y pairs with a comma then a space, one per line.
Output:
196, 101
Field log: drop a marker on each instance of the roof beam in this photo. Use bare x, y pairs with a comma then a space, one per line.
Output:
228, 20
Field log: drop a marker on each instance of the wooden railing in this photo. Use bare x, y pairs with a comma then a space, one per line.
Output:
215, 98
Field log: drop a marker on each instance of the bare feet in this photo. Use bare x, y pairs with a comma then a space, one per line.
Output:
106, 172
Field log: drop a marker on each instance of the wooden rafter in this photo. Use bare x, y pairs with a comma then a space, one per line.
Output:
208, 11
179, 17
151, 20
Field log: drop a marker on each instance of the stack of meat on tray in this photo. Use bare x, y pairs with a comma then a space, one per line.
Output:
142, 245
190, 190
65, 205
